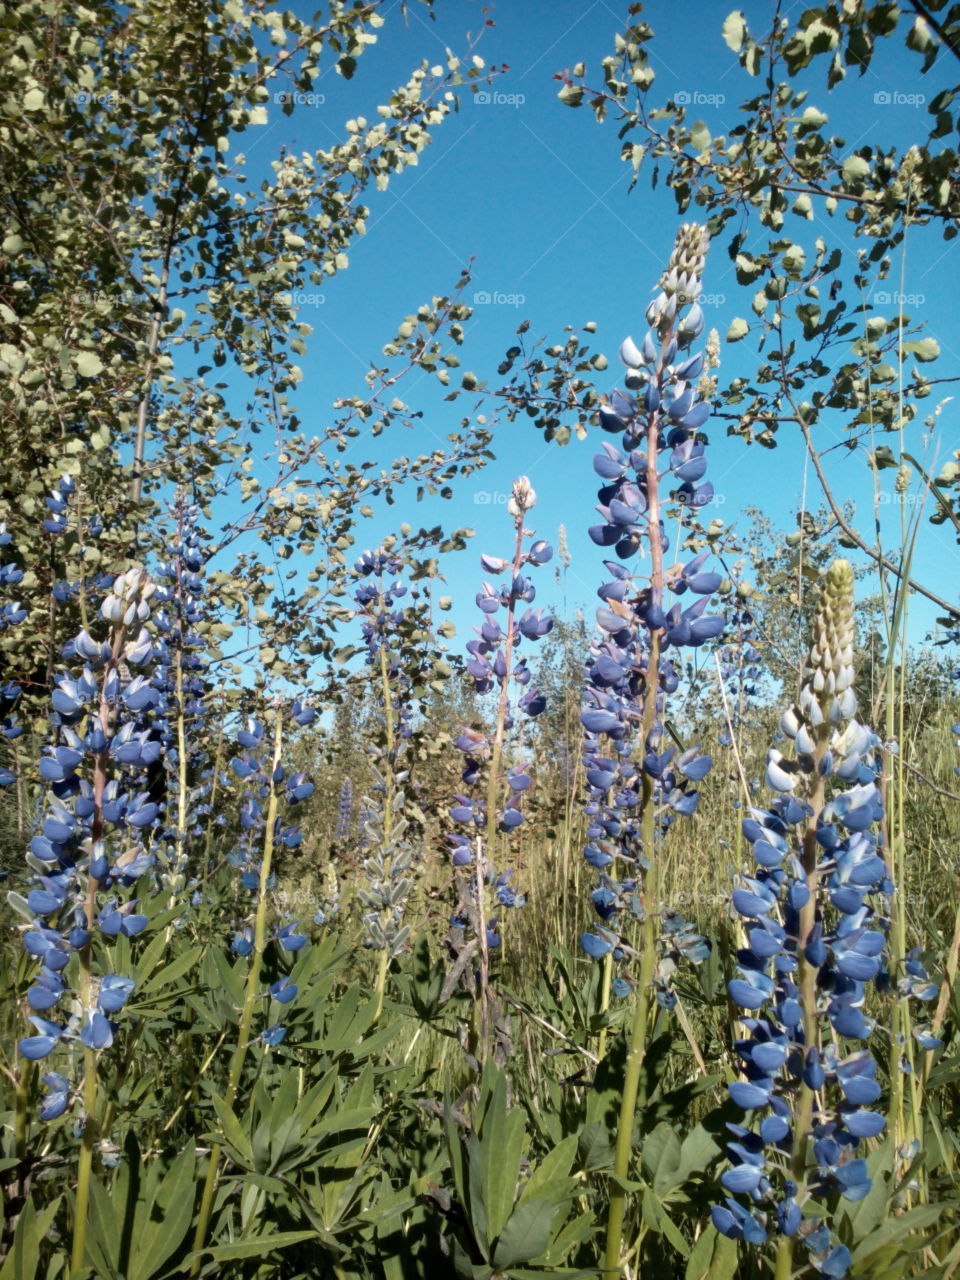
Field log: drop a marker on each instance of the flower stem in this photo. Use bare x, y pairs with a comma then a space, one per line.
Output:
388, 795
493, 778
85, 1162
250, 998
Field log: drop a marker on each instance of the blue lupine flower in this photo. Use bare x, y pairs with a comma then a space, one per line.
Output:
289, 938
36, 1047
495, 665
660, 415
283, 990
242, 943
57, 1097
96, 1032
830, 941
114, 993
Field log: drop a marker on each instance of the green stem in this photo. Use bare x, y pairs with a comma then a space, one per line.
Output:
388, 797
85, 1162
636, 1053
606, 984
250, 999
24, 1078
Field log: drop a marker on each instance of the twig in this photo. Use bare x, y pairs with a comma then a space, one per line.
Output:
851, 533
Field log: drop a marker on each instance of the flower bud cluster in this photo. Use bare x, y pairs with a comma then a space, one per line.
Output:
11, 615
380, 623
344, 813
181, 667
739, 667
392, 858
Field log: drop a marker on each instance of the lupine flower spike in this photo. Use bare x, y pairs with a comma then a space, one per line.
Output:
638, 784
815, 917
491, 804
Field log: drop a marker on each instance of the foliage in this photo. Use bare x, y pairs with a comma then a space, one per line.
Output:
265, 1019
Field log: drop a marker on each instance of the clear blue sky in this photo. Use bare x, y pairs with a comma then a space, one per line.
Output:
537, 194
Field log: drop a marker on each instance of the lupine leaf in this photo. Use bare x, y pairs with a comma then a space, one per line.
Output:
32, 1226
259, 1246
897, 1232
713, 1257
158, 1239
180, 965
233, 1131
526, 1234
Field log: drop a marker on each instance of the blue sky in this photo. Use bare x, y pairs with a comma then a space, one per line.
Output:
536, 194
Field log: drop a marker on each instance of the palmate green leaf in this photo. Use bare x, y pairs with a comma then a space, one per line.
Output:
316, 1099
550, 1180
233, 1133
697, 1152
526, 1234
220, 974
465, 1268
259, 1246
23, 1259
500, 1146
476, 1198
167, 1217
881, 1248
571, 1234
661, 1157
658, 1219
177, 968
104, 1231
713, 1257
595, 1147
458, 1160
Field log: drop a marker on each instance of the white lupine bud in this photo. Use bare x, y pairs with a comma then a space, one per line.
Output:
630, 354
524, 496
790, 722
